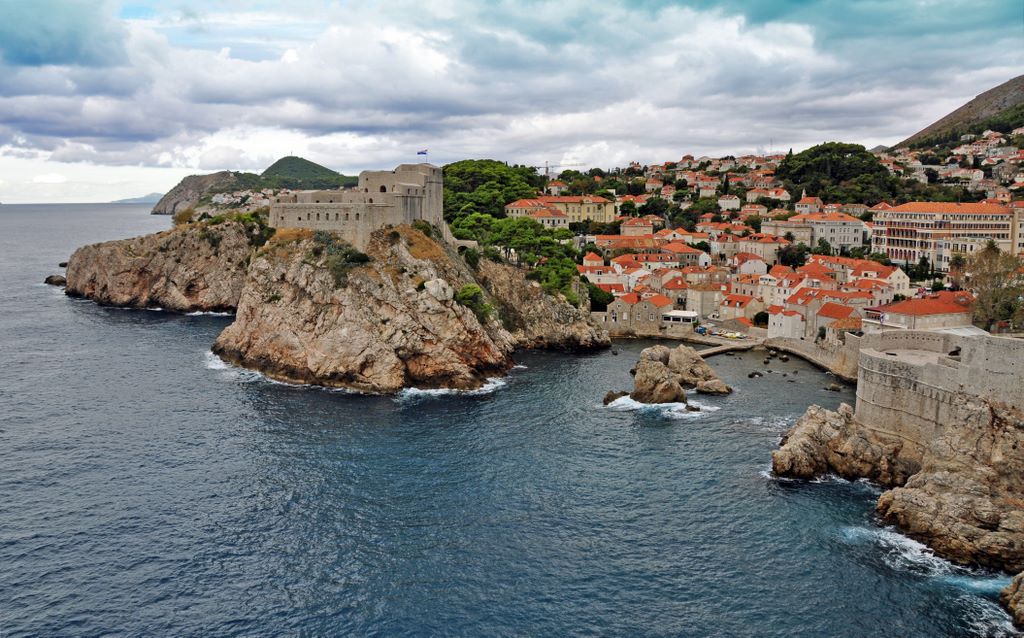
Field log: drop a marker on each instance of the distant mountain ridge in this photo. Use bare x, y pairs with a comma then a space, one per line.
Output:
999, 108
151, 198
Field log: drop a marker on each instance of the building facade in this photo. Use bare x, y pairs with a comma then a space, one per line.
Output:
409, 193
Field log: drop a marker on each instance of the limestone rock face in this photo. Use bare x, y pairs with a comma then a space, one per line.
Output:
534, 318
693, 370
189, 190
713, 386
654, 382
195, 267
662, 374
825, 441
392, 323
1013, 599
967, 501
961, 493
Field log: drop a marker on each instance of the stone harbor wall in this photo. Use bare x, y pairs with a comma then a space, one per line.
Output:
840, 359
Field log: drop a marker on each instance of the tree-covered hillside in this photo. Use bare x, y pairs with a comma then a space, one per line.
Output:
485, 186
839, 172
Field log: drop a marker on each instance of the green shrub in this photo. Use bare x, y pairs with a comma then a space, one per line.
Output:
599, 298
211, 237
472, 257
183, 216
472, 297
424, 227
339, 256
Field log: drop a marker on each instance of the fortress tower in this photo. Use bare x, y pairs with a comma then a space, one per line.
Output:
382, 198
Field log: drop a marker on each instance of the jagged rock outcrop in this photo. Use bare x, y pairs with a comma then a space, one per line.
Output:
400, 320
662, 375
195, 267
654, 381
1012, 598
534, 318
190, 190
961, 493
693, 371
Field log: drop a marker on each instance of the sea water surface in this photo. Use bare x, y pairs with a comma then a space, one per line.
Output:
147, 489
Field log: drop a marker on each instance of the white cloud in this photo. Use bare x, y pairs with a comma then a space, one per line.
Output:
365, 85
49, 178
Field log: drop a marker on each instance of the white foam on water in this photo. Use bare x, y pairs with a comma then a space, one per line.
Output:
901, 552
985, 617
491, 385
671, 410
210, 313
520, 366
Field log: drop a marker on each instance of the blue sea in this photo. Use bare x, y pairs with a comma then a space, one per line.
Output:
148, 489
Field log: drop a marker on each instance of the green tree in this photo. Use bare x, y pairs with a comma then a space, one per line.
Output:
793, 255
822, 247
485, 187
998, 285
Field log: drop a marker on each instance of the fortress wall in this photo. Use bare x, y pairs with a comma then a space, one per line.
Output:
910, 340
996, 368
908, 386
362, 219
382, 198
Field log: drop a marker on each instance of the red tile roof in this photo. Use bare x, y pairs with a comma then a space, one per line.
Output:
948, 207
834, 310
941, 303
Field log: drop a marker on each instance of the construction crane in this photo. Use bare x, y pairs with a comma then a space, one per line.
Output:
548, 166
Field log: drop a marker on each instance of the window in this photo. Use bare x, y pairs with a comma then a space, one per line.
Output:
383, 189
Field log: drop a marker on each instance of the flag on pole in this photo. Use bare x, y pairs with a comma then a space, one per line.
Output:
423, 152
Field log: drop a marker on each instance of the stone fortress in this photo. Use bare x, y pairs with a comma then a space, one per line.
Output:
910, 381
382, 198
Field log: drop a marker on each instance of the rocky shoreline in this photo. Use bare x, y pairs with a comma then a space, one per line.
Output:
962, 494
311, 309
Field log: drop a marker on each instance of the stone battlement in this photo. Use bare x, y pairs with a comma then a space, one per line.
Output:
409, 193
914, 382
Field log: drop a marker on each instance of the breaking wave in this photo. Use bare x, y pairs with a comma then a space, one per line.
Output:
671, 410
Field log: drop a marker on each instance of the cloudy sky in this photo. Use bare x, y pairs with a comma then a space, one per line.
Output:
104, 100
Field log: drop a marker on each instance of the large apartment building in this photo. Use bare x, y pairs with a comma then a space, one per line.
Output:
937, 230
575, 207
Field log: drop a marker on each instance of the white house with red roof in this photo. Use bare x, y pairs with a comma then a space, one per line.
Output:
729, 202
785, 323
636, 227
944, 309
806, 205
748, 264
556, 187
687, 255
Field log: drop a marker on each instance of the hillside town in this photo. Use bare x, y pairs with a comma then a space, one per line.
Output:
754, 259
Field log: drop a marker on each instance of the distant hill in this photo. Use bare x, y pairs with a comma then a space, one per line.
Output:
152, 198
287, 172
298, 168
1000, 109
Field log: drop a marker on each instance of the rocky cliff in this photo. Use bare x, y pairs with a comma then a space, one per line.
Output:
534, 318
1013, 599
411, 315
195, 267
961, 493
189, 191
